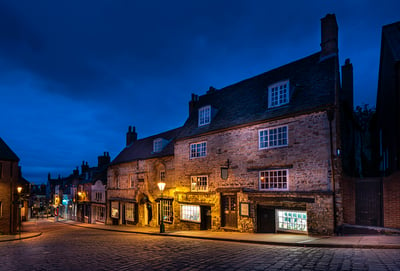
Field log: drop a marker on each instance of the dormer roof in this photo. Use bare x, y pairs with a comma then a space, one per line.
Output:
312, 87
143, 148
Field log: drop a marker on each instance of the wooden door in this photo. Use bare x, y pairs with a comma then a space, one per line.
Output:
229, 211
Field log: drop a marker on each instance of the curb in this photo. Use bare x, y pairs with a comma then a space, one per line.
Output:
22, 238
362, 246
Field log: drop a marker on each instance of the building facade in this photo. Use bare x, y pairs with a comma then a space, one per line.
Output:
133, 196
388, 119
9, 198
261, 155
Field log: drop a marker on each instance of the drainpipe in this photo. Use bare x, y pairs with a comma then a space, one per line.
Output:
330, 113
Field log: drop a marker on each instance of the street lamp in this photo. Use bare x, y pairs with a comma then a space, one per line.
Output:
161, 186
19, 189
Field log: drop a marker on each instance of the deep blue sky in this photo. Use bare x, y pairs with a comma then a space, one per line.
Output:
75, 74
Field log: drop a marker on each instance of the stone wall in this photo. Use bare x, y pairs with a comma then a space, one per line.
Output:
307, 157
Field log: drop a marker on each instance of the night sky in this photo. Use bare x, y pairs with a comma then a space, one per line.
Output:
75, 74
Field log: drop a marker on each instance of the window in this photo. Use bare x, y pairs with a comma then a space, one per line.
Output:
130, 212
273, 137
157, 145
115, 209
117, 182
167, 210
162, 175
289, 220
198, 150
278, 94
132, 181
190, 212
204, 115
274, 179
100, 211
199, 183
98, 196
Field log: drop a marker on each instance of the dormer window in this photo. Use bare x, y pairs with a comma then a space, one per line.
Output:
278, 94
159, 144
204, 115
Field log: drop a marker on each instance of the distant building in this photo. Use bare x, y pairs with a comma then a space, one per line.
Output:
9, 175
82, 195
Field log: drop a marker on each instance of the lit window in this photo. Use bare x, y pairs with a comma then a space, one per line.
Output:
274, 179
289, 220
278, 94
204, 115
198, 150
273, 137
130, 212
199, 183
167, 210
190, 212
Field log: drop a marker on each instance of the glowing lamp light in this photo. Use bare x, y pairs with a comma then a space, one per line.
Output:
161, 186
19, 189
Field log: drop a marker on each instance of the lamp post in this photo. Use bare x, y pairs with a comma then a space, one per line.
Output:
19, 189
161, 186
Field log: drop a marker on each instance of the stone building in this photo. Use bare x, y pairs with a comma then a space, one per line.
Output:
133, 197
9, 174
262, 155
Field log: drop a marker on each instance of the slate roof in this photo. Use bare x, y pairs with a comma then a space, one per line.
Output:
143, 148
391, 33
312, 87
6, 153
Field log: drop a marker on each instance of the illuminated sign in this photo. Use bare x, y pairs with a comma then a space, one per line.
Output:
290, 220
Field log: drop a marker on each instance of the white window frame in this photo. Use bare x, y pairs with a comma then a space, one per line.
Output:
204, 115
273, 137
190, 213
157, 145
199, 183
273, 180
278, 94
198, 150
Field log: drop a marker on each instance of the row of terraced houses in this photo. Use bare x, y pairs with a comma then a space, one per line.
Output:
272, 153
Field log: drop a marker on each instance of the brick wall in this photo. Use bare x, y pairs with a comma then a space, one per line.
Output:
8, 190
391, 201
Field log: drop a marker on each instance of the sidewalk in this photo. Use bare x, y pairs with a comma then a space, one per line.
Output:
381, 241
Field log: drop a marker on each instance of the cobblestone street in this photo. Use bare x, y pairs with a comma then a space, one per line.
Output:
64, 247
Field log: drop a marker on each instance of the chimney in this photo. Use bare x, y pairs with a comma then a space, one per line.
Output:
192, 103
131, 135
347, 84
84, 167
329, 37
103, 160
